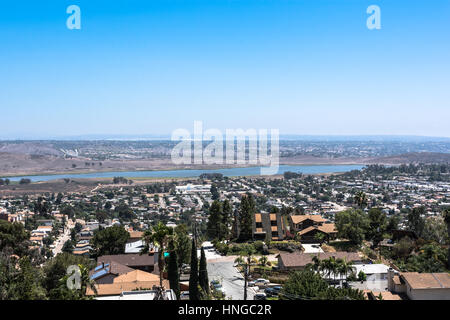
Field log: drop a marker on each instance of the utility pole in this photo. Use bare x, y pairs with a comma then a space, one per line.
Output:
245, 280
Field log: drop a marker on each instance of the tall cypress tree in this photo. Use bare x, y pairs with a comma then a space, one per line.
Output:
203, 274
214, 225
172, 272
194, 293
247, 210
227, 218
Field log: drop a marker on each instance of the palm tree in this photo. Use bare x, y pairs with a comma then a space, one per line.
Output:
317, 265
239, 261
361, 199
159, 237
86, 281
263, 261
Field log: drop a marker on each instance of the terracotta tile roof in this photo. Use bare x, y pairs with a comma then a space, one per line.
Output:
136, 276
427, 280
136, 234
117, 288
396, 280
307, 230
300, 218
386, 295
328, 228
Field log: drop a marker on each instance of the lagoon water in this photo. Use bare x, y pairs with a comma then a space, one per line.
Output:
231, 172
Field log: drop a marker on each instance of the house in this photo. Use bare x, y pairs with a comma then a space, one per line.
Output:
298, 261
268, 226
141, 295
136, 247
112, 279
308, 227
301, 222
376, 277
144, 262
420, 286
135, 236
311, 234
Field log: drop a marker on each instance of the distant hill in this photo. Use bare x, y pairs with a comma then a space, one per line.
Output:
29, 148
413, 157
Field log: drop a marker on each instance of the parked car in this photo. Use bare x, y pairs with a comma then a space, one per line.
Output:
259, 296
213, 282
272, 291
184, 295
261, 282
251, 283
218, 287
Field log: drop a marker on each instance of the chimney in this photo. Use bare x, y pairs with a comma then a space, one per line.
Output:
391, 274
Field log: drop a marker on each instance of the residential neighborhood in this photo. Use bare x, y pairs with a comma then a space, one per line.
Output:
377, 233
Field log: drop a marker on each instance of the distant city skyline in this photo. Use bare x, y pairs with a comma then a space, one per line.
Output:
149, 67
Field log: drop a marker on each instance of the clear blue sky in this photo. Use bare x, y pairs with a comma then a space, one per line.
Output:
149, 67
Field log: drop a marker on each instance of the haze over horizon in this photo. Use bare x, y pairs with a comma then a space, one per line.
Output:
146, 67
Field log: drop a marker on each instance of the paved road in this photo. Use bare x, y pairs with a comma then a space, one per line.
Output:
59, 243
232, 281
222, 268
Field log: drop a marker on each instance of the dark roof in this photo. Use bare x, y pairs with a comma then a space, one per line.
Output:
111, 267
130, 260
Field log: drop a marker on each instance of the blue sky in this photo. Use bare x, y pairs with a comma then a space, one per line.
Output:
149, 67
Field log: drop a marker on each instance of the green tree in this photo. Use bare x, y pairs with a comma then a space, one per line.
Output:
159, 236
14, 237
182, 245
203, 274
247, 211
361, 199
56, 268
227, 215
194, 293
309, 285
215, 219
416, 222
109, 241
435, 229
215, 195
446, 215
172, 269
352, 225
377, 225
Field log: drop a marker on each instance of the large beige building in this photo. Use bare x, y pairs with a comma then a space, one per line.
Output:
420, 286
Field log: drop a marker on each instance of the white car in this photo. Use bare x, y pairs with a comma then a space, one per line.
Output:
261, 282
251, 283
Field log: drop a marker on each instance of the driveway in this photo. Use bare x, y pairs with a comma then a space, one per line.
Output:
312, 248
